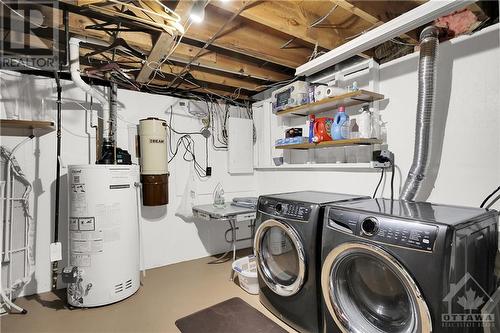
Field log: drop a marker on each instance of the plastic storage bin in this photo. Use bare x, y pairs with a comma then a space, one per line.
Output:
246, 269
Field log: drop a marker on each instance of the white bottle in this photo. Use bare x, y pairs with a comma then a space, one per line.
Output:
364, 121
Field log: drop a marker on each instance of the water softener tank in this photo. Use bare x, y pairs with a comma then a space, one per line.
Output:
154, 161
103, 234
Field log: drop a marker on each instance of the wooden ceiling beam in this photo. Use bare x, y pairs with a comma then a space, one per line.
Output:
248, 38
183, 53
282, 16
371, 12
297, 19
238, 66
160, 50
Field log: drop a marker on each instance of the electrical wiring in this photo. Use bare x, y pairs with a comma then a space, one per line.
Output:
489, 196
208, 43
321, 19
392, 180
379, 182
188, 143
237, 91
172, 50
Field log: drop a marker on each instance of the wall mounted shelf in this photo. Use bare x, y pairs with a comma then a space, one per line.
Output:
335, 143
27, 124
353, 98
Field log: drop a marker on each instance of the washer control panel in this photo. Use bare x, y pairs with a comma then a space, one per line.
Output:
400, 232
411, 234
284, 209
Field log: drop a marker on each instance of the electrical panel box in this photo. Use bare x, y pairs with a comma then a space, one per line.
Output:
240, 145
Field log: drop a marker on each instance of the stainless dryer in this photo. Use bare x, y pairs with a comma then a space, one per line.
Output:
287, 248
407, 267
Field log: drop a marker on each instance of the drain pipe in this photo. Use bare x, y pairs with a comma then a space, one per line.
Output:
425, 108
74, 53
113, 110
55, 263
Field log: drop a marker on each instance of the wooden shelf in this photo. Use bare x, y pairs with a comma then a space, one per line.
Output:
335, 143
321, 166
27, 124
353, 98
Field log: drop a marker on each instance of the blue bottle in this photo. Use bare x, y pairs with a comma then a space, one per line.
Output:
312, 118
340, 128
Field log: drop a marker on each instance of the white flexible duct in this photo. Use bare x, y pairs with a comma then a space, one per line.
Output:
74, 54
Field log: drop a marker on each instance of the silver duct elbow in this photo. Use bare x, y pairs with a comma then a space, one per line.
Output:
425, 108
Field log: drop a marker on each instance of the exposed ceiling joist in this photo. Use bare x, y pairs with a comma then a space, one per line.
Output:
313, 22
282, 16
413, 19
183, 53
248, 38
161, 49
364, 10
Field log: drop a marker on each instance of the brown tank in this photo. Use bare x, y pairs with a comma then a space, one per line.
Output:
154, 190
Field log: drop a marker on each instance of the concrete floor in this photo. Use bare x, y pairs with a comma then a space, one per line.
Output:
167, 294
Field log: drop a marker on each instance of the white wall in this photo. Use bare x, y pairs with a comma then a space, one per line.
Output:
167, 237
467, 100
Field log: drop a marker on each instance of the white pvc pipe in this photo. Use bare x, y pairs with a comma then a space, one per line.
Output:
74, 55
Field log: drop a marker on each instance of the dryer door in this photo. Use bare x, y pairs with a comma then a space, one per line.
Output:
367, 290
281, 257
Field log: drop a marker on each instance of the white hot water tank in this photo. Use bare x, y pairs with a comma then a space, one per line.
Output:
103, 234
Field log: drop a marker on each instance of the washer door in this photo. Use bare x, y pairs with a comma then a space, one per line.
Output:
367, 290
280, 256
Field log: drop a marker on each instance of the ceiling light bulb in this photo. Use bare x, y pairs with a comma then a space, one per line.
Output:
197, 13
197, 17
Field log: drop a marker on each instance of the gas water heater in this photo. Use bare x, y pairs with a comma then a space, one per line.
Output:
154, 161
103, 234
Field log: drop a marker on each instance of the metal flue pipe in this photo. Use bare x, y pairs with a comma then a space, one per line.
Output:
420, 167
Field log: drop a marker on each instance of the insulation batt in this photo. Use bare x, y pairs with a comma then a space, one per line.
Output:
458, 23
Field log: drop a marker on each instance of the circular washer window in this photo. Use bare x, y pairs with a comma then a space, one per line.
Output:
281, 257
368, 291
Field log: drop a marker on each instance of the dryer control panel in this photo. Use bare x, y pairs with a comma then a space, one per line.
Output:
411, 234
285, 209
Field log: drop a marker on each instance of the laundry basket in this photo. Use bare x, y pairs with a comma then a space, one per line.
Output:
246, 268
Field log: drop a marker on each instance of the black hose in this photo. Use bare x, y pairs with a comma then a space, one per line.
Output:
66, 39
58, 177
378, 185
489, 196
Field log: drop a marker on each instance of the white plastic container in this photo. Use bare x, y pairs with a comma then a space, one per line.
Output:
246, 269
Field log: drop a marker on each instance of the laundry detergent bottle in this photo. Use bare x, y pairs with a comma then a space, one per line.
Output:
340, 128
